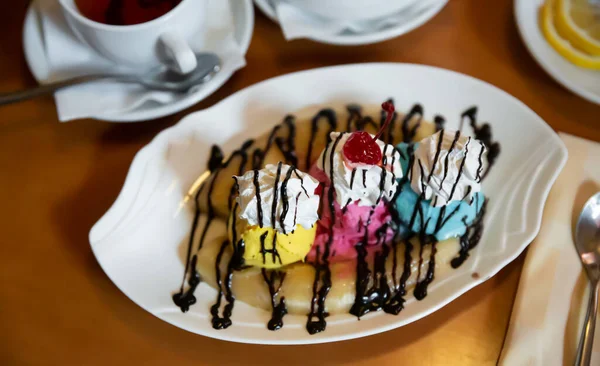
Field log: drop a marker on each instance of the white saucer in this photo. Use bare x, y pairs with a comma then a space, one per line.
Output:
351, 39
33, 45
585, 83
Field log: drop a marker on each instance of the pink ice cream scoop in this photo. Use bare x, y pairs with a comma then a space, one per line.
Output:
353, 225
359, 174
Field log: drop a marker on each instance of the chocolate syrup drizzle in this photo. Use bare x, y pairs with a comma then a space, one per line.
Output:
322, 282
225, 321
483, 133
331, 119
472, 237
372, 290
184, 299
439, 122
274, 279
408, 133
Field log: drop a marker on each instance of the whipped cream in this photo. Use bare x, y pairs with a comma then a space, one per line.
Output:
360, 183
447, 167
256, 206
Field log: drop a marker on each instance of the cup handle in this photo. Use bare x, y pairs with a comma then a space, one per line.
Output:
180, 55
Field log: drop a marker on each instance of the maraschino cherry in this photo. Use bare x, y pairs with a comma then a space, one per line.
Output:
361, 148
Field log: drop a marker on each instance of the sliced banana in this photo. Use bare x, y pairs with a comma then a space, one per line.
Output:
249, 286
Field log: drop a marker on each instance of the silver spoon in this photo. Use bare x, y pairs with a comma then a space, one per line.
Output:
587, 242
160, 78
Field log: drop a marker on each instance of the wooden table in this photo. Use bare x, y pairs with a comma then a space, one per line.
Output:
57, 306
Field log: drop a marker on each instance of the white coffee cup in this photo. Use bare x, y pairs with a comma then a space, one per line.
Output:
164, 39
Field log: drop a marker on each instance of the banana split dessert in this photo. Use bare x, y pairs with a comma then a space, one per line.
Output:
344, 213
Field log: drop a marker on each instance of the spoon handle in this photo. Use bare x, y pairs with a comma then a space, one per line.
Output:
50, 88
584, 351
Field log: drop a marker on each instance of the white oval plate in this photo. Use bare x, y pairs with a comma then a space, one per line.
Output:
422, 17
585, 83
138, 240
35, 55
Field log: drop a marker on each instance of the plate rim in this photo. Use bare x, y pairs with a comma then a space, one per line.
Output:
520, 17
34, 64
143, 155
369, 38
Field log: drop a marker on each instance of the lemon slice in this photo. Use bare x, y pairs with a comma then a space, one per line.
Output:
579, 22
561, 45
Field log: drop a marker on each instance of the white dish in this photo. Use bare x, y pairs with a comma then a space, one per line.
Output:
352, 39
137, 241
33, 45
585, 83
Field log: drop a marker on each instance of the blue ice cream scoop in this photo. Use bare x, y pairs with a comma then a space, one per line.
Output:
443, 222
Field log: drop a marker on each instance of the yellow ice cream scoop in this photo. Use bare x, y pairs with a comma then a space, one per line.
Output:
269, 248
275, 216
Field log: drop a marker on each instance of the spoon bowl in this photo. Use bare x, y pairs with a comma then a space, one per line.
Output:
165, 79
587, 243
587, 237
